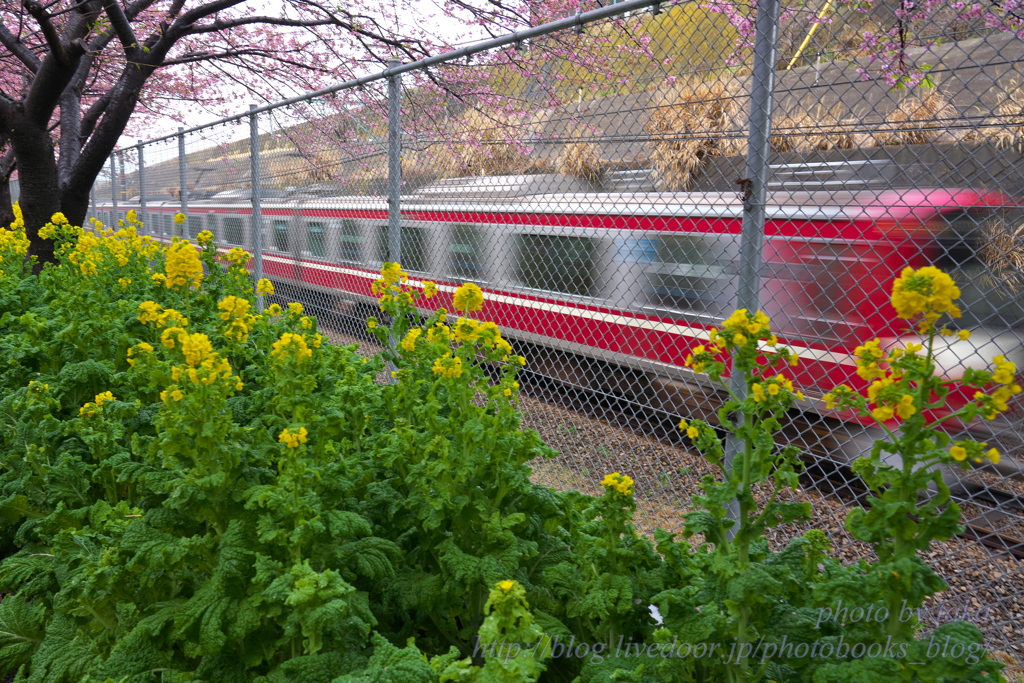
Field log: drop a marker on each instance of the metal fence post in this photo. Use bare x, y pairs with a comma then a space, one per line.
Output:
142, 186
257, 213
754, 188
113, 190
394, 164
92, 200
182, 174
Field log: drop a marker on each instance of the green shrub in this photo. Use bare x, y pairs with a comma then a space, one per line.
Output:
193, 491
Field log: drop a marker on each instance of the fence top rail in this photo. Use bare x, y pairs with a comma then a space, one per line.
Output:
578, 21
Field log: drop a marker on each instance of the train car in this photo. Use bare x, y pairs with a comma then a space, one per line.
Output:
629, 283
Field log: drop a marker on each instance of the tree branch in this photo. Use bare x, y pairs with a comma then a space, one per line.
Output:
220, 24
93, 115
53, 40
18, 49
119, 22
194, 58
133, 10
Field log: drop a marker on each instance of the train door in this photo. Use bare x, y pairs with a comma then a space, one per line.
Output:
633, 254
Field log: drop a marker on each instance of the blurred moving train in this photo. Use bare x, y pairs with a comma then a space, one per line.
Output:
629, 282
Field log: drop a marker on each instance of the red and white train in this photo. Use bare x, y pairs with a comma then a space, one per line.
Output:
630, 282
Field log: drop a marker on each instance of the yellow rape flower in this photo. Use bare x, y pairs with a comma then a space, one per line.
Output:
618, 482
264, 287
170, 336
959, 453
468, 297
233, 307
429, 289
439, 333
204, 237
371, 323
883, 413
168, 395
906, 408
392, 273
757, 392
448, 366
196, 347
149, 311
141, 347
1005, 370
291, 438
296, 308
868, 357
237, 256
507, 585
273, 309
409, 343
179, 218
927, 291
103, 398
466, 330
291, 345
183, 266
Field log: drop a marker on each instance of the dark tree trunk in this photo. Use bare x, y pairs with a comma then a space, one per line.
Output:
6, 211
74, 206
37, 176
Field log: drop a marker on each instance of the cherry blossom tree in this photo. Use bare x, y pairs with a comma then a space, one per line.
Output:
74, 72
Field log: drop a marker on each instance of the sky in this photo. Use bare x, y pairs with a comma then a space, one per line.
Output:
412, 16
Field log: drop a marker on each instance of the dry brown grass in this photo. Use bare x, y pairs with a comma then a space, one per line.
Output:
816, 129
920, 119
481, 144
581, 159
285, 167
691, 122
1003, 253
1009, 121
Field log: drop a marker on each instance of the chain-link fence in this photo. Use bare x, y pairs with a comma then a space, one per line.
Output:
618, 182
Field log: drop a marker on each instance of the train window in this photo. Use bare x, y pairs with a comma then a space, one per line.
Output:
193, 226
350, 242
691, 273
415, 254
280, 235
465, 252
557, 263
382, 245
233, 230
166, 224
413, 245
316, 243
